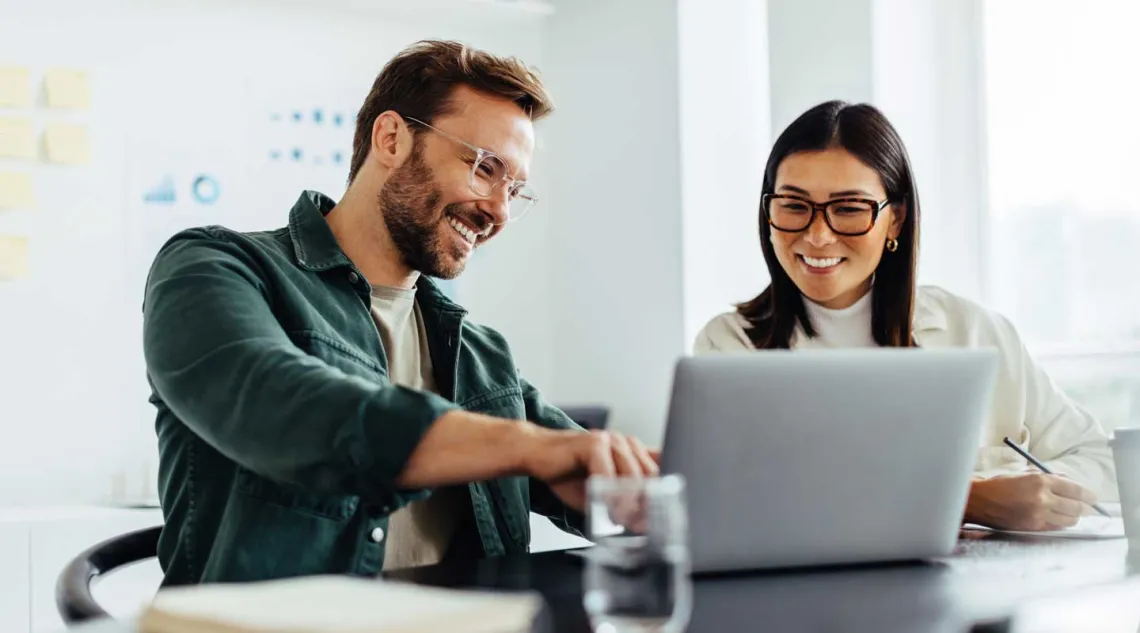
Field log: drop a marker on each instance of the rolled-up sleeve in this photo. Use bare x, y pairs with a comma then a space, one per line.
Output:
218, 358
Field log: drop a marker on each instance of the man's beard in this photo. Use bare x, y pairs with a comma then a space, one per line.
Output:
408, 203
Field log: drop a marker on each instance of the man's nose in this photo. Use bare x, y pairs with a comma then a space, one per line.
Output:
497, 206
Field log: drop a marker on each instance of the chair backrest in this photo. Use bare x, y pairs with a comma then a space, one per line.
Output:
73, 587
590, 417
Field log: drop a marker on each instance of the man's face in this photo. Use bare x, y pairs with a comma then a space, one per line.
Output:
435, 217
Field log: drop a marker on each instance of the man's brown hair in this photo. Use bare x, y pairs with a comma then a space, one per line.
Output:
418, 83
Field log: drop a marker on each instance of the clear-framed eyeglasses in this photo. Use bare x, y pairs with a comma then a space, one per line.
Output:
488, 172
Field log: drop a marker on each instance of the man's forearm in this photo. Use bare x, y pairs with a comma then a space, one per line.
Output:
462, 446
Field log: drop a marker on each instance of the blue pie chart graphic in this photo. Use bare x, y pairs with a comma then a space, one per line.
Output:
205, 189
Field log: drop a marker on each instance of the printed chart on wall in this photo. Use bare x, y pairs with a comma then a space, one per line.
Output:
239, 161
173, 186
184, 163
300, 135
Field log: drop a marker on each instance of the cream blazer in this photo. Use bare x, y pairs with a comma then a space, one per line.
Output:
1028, 406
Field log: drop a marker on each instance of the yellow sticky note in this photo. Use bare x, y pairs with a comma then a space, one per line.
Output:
16, 190
15, 87
67, 144
17, 138
13, 257
66, 88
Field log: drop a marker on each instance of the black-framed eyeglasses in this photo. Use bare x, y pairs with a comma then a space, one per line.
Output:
845, 216
489, 171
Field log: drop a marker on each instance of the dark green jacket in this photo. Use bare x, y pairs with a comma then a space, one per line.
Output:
280, 437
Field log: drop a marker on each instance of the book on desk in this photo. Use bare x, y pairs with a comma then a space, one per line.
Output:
336, 604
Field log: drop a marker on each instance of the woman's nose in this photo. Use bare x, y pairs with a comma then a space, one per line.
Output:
818, 233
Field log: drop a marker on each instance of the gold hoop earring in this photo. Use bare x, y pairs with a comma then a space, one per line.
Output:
892, 245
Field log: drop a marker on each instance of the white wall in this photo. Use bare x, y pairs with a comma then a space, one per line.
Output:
818, 50
614, 178
73, 407
927, 69
725, 138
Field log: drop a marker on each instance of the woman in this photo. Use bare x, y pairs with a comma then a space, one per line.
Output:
839, 229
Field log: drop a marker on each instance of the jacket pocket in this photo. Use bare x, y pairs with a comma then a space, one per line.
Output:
504, 402
330, 506
338, 353
266, 533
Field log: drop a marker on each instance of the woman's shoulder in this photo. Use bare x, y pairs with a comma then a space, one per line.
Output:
939, 309
724, 333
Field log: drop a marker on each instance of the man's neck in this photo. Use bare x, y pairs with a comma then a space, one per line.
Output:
360, 231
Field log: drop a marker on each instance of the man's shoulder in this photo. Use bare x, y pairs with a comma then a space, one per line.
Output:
216, 245
485, 334
224, 238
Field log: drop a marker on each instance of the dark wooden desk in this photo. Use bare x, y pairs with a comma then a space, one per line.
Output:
976, 589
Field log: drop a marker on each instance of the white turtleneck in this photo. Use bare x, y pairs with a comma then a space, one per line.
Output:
846, 327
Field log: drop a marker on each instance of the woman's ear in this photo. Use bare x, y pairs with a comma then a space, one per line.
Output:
898, 213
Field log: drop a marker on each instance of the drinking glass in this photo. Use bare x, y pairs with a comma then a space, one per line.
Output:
637, 574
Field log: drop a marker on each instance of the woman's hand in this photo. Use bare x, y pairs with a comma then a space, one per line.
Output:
1029, 502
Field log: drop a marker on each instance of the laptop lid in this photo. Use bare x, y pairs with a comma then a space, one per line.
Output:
816, 457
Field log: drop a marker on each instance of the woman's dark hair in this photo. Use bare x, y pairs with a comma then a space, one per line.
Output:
864, 132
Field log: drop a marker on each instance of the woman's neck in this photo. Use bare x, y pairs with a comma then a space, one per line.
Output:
849, 326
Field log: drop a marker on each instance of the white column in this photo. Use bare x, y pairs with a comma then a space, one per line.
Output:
725, 138
615, 204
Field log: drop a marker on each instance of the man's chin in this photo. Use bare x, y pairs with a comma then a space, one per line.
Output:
448, 270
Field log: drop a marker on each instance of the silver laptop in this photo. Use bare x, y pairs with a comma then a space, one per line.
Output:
822, 457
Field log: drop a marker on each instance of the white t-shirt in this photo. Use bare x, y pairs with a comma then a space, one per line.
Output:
419, 533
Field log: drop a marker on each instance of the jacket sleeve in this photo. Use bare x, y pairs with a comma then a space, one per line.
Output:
542, 498
1059, 432
218, 358
704, 343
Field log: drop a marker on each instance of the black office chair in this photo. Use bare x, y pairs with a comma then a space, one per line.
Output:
73, 587
590, 417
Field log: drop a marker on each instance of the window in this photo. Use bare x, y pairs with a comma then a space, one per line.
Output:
1063, 147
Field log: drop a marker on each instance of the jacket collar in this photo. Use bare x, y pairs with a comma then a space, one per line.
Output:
429, 293
316, 249
927, 317
314, 245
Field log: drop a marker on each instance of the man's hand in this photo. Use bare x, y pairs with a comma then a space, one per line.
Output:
1030, 502
566, 459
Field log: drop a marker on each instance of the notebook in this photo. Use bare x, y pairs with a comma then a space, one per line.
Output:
336, 604
1091, 526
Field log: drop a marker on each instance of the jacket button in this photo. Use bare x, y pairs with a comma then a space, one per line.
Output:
353, 278
377, 535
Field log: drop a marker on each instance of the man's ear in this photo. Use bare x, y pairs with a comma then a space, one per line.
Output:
391, 140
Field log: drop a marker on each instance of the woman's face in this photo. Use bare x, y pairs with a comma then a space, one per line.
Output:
831, 269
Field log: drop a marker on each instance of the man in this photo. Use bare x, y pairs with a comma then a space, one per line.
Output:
322, 406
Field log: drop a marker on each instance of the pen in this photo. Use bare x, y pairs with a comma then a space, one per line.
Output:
1045, 469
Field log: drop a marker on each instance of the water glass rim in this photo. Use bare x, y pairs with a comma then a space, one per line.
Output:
669, 484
